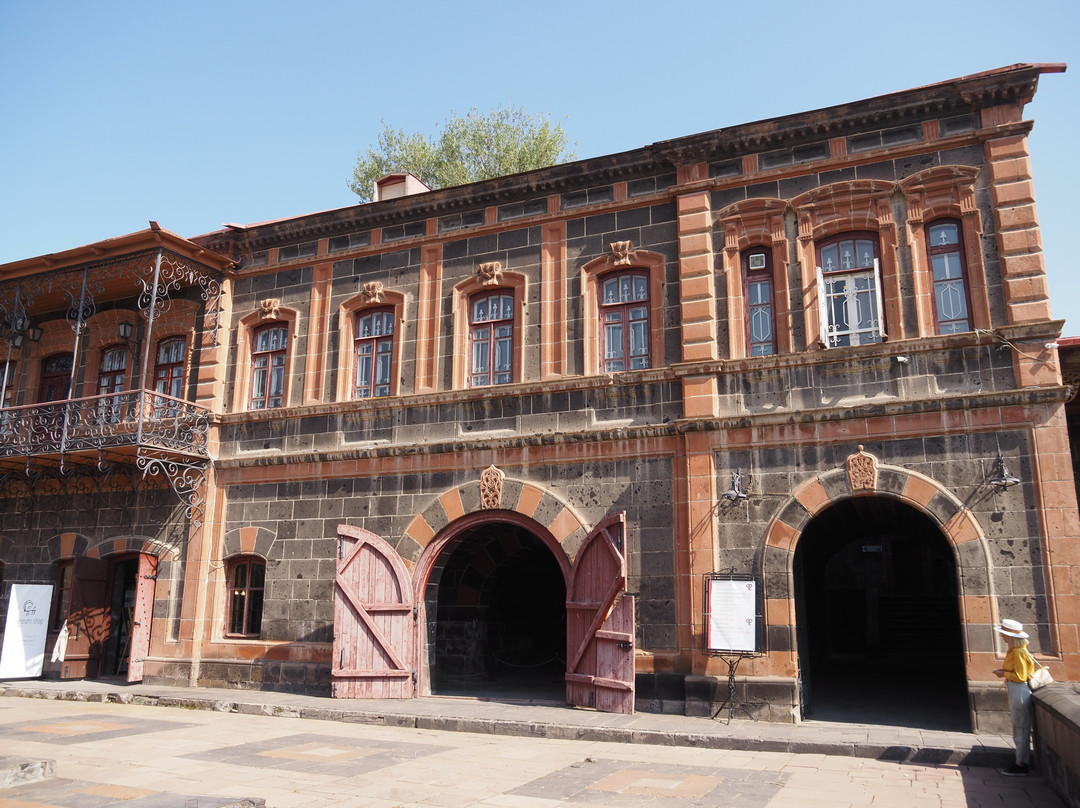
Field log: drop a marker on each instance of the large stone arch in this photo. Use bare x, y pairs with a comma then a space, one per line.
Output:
495, 492
864, 476
463, 513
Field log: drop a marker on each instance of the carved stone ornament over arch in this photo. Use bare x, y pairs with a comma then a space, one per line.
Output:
268, 308
862, 471
543, 507
489, 273
491, 480
372, 293
621, 250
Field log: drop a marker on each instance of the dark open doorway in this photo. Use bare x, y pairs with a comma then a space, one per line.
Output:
123, 584
879, 632
496, 606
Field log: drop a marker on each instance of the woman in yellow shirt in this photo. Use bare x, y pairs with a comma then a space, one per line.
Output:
1018, 667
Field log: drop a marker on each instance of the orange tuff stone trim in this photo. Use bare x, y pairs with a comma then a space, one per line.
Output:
420, 531
564, 525
700, 397
529, 500
919, 490
963, 527
812, 496
553, 301
694, 172
318, 334
781, 535
427, 322
248, 535
976, 609
451, 503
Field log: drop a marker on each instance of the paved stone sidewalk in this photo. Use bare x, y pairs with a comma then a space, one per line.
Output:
139, 756
111, 750
546, 720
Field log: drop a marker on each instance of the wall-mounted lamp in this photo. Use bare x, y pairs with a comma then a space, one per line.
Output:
18, 330
125, 330
736, 492
1001, 478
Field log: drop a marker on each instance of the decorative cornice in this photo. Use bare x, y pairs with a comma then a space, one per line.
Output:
1013, 85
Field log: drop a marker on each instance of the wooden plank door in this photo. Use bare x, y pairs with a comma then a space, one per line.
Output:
600, 623
87, 618
142, 616
374, 620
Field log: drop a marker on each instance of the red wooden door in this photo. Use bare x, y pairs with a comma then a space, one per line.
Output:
142, 616
87, 618
600, 623
374, 624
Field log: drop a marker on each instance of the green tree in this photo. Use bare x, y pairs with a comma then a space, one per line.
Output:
468, 149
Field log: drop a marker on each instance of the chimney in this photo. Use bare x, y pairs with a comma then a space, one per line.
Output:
396, 185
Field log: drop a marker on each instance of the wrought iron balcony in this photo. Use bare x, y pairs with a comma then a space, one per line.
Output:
76, 445
107, 425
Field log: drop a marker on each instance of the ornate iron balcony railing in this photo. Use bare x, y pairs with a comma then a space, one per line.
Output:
134, 418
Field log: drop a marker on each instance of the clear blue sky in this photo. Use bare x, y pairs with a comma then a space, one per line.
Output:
194, 114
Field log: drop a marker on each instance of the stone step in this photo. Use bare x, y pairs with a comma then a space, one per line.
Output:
20, 771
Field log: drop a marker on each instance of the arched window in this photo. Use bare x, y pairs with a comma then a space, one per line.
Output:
246, 579
55, 377
624, 320
491, 338
760, 319
112, 376
169, 375
849, 290
373, 351
946, 255
268, 366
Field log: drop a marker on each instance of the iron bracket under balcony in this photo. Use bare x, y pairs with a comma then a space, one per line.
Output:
153, 433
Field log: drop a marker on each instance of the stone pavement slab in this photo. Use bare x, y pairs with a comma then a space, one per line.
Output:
205, 758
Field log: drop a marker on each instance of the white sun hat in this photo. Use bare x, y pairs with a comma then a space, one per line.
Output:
1012, 628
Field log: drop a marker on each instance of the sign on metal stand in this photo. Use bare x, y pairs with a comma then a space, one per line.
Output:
23, 653
733, 627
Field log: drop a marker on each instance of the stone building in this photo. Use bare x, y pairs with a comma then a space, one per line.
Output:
498, 438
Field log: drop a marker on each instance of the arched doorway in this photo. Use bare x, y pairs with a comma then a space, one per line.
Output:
878, 621
496, 616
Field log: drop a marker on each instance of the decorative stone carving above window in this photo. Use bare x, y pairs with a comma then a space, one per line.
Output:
491, 480
862, 471
621, 250
372, 292
269, 308
941, 191
489, 273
